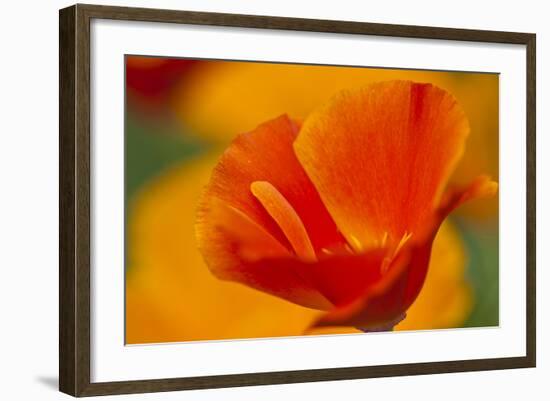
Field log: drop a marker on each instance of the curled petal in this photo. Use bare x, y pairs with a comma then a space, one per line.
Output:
481, 187
235, 248
286, 217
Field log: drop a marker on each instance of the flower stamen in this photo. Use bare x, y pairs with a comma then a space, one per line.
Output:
402, 242
384, 239
355, 243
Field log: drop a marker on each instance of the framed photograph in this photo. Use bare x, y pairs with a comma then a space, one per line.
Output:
250, 200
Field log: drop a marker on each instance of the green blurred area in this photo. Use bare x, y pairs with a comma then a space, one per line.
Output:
151, 147
483, 271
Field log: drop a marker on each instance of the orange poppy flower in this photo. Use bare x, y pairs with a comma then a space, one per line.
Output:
172, 296
339, 214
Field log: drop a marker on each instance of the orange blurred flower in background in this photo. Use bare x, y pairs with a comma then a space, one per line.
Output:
150, 81
340, 214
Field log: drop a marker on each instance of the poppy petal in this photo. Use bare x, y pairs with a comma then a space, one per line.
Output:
381, 156
265, 154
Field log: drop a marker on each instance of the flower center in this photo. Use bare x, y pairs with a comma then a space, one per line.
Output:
286, 217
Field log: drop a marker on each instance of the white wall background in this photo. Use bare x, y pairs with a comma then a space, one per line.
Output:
29, 185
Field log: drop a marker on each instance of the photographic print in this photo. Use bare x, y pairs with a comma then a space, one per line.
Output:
271, 199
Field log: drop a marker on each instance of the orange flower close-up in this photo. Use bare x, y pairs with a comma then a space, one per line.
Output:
268, 200
339, 212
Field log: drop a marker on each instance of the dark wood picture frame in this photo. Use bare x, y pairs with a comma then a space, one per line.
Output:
74, 199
